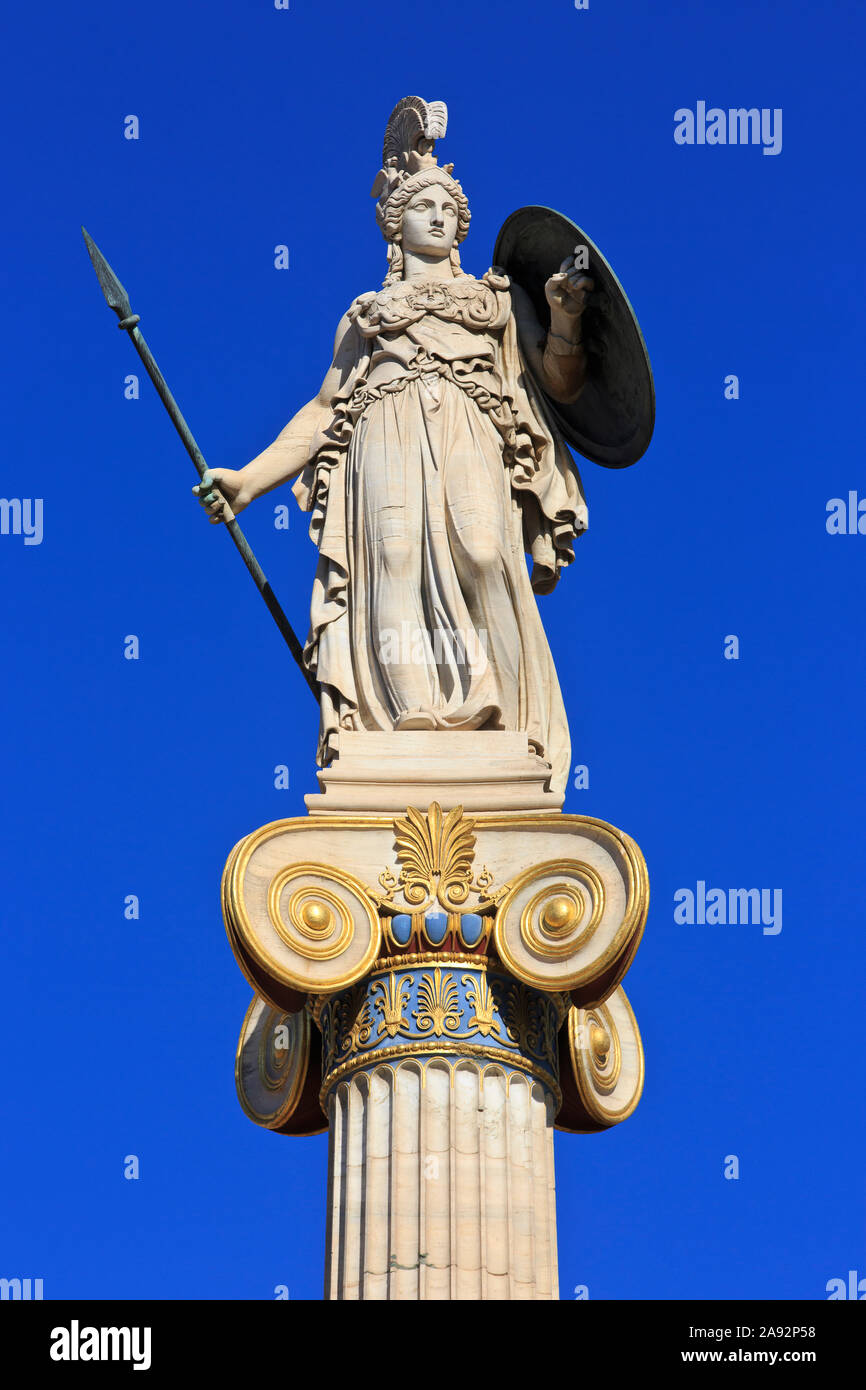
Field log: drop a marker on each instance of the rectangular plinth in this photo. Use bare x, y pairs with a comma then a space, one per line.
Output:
479, 770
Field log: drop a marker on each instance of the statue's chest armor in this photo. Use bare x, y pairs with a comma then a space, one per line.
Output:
451, 312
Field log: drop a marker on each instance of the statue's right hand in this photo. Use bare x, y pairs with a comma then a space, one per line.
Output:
218, 487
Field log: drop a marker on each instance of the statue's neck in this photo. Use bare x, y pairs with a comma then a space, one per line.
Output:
419, 267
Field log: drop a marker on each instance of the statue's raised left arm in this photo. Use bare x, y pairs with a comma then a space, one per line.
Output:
556, 357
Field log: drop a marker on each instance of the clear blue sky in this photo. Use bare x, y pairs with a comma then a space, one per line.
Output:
260, 127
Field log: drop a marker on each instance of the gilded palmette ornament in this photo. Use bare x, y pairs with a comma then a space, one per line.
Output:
436, 852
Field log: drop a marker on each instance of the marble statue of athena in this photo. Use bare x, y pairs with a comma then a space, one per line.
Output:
431, 468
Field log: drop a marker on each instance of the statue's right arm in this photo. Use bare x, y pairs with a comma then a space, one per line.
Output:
290, 451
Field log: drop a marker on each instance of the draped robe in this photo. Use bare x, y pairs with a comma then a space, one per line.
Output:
436, 471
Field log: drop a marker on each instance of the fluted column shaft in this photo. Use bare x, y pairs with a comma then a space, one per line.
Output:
441, 1181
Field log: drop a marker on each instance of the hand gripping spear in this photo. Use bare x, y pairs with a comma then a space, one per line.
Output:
118, 300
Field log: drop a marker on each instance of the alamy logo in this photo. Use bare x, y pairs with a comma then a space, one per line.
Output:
737, 126
846, 518
21, 1288
22, 516
734, 906
413, 646
855, 1288
76, 1343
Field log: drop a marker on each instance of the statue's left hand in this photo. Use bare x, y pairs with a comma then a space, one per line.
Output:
568, 290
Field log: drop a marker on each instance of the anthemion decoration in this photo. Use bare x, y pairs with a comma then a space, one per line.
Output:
436, 949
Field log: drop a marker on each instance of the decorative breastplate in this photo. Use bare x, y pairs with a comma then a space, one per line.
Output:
479, 305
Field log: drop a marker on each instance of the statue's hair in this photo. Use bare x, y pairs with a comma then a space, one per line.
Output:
389, 215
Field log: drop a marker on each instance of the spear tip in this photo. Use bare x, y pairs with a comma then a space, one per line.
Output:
115, 295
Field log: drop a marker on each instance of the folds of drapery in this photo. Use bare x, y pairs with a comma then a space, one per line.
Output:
541, 480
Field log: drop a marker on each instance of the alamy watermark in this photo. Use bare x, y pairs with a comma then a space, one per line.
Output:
77, 1343
710, 907
22, 516
23, 1289
735, 126
846, 517
414, 646
851, 1288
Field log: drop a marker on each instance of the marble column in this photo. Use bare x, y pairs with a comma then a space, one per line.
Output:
440, 991
441, 1182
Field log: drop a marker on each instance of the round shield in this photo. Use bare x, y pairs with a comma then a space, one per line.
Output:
612, 422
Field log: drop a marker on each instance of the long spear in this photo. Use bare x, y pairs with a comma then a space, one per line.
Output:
118, 300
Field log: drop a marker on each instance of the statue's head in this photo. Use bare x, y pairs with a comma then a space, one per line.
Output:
421, 207
427, 213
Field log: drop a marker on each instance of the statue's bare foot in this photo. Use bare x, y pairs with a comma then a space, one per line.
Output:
415, 719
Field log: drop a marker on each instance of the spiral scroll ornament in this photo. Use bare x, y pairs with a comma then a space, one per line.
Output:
272, 1062
308, 928
547, 921
601, 1066
572, 924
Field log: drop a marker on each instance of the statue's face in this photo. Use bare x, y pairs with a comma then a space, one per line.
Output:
430, 223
